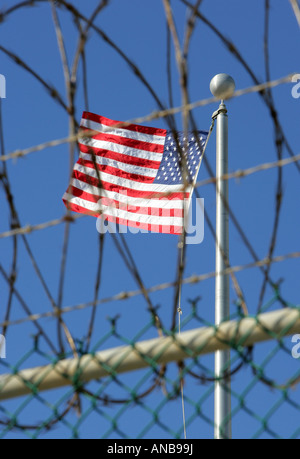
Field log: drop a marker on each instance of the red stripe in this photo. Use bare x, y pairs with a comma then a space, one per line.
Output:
130, 192
131, 143
155, 211
116, 171
151, 164
145, 226
130, 127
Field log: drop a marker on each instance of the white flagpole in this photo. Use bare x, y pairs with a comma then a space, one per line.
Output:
222, 86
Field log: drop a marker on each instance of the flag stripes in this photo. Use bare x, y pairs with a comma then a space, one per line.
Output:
119, 176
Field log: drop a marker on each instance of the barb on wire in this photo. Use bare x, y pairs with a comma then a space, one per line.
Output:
239, 174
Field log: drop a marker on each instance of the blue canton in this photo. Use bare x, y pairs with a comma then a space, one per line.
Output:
170, 170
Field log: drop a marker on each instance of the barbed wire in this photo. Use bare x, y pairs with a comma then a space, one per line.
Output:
238, 174
159, 114
241, 173
195, 279
84, 25
41, 226
296, 10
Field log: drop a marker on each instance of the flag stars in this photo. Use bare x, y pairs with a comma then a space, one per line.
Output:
183, 150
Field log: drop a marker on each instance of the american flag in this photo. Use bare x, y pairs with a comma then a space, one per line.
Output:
132, 175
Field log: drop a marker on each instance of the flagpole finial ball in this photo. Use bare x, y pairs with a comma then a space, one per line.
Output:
222, 86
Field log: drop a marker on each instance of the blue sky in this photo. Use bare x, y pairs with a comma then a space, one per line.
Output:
39, 180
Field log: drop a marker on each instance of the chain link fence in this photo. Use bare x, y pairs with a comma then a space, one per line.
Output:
146, 403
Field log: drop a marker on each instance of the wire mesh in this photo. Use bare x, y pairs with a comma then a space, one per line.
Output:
39, 277
153, 393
